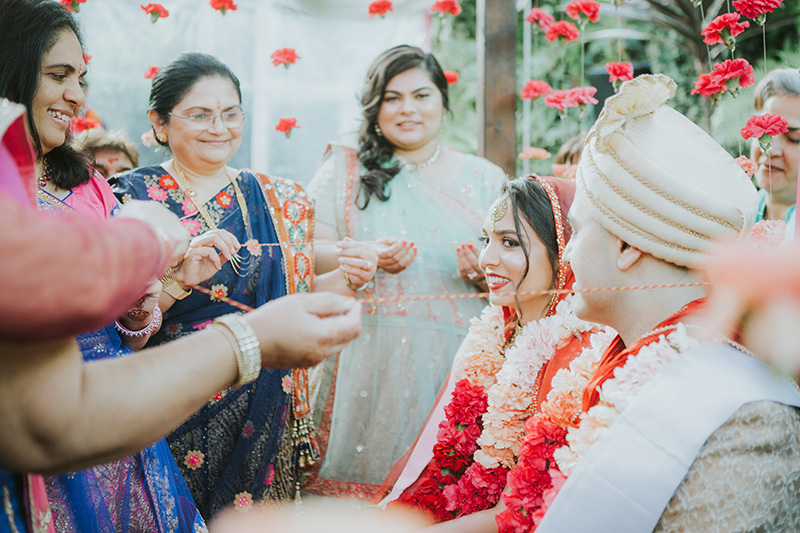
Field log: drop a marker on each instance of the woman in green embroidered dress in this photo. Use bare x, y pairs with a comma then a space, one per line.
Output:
399, 188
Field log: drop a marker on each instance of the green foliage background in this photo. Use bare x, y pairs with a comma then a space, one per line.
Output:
665, 50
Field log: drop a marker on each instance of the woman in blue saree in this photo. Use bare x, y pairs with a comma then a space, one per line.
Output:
247, 444
143, 492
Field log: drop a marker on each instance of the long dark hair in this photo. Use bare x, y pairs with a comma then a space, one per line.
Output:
529, 199
28, 30
175, 80
373, 149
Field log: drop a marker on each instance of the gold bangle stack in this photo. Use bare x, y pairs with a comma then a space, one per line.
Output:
171, 286
245, 346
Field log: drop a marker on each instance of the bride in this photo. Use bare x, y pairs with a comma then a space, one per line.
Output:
506, 366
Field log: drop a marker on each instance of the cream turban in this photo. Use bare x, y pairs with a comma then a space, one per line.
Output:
658, 181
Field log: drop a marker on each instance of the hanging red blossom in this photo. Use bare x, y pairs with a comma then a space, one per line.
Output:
155, 11
534, 89
756, 9
73, 5
709, 85
86, 58
736, 69
537, 14
764, 128
584, 95
451, 76
447, 7
151, 72
748, 165
381, 7
619, 72
223, 5
285, 57
714, 83
584, 10
560, 99
724, 29
79, 124
285, 125
562, 29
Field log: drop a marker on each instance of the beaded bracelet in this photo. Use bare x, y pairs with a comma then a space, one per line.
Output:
151, 328
245, 345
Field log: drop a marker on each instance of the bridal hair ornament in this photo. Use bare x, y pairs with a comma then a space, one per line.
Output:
498, 210
659, 182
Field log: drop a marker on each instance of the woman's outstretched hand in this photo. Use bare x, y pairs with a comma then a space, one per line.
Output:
395, 255
302, 330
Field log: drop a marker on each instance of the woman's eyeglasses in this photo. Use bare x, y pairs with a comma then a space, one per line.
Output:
230, 119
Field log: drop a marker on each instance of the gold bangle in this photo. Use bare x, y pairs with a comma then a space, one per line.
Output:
245, 345
350, 285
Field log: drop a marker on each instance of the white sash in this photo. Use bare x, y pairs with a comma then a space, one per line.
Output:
629, 476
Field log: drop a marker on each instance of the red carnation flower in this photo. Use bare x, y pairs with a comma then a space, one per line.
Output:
73, 5
619, 72
381, 7
756, 9
560, 99
732, 69
285, 57
155, 11
285, 125
151, 72
445, 7
562, 28
760, 125
723, 29
223, 5
583, 95
79, 124
583, 10
537, 14
709, 85
534, 89
451, 76
86, 58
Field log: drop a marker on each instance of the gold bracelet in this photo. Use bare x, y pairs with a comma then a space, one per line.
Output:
171, 286
350, 285
245, 345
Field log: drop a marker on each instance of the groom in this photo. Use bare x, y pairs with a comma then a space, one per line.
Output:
711, 441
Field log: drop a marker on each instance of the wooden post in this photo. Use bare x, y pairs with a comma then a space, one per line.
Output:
497, 88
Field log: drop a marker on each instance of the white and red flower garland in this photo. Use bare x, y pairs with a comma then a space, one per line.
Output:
554, 445
479, 440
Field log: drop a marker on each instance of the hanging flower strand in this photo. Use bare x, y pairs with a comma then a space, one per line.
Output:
724, 29
534, 89
563, 29
537, 14
73, 5
619, 72
584, 11
714, 83
381, 7
451, 76
757, 9
764, 128
286, 125
285, 57
447, 7
156, 11
223, 6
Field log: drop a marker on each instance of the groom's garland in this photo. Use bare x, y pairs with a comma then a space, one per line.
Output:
554, 445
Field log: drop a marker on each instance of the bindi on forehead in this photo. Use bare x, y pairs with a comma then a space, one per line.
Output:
219, 104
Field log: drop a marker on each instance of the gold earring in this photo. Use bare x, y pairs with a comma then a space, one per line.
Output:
162, 137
